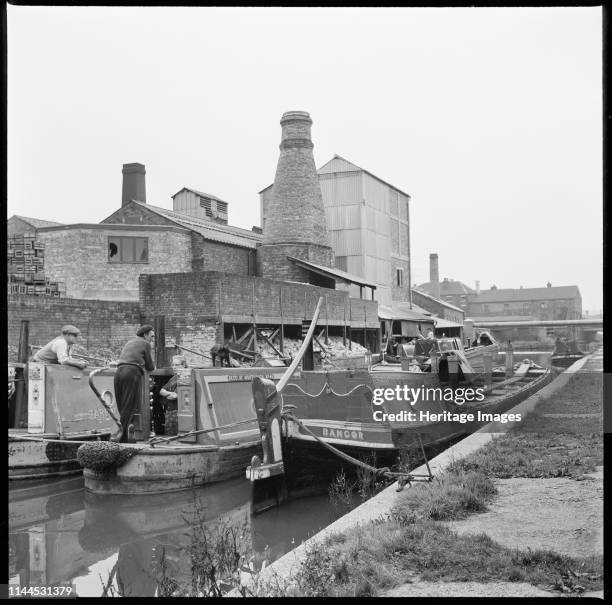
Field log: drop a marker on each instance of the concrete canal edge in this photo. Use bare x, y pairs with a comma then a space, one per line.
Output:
382, 504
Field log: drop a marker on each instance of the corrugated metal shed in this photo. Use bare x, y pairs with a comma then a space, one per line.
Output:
200, 193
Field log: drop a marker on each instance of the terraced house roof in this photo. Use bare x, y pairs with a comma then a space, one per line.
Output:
526, 294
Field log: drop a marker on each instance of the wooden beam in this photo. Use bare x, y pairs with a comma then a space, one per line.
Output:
270, 343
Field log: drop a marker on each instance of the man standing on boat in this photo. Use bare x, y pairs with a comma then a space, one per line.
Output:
134, 359
58, 350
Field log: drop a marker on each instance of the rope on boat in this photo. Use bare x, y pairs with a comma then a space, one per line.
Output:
157, 440
51, 440
402, 477
328, 388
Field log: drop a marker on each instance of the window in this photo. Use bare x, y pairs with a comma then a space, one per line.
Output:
128, 249
221, 206
340, 262
400, 277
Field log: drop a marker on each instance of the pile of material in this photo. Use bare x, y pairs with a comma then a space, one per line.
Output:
26, 267
329, 353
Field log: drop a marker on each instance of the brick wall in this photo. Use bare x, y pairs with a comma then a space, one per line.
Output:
196, 305
216, 256
78, 256
272, 260
103, 324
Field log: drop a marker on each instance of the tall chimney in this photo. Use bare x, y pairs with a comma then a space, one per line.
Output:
295, 223
477, 287
133, 183
434, 275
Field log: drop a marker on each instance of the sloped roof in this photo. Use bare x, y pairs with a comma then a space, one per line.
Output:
444, 303
445, 323
334, 273
201, 193
353, 166
37, 223
525, 294
402, 311
212, 231
447, 287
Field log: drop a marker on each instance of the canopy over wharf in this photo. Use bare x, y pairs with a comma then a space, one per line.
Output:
404, 319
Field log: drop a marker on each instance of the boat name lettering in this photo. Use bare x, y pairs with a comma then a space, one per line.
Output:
342, 434
233, 378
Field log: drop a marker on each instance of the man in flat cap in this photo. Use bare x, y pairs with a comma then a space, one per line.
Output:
134, 359
58, 350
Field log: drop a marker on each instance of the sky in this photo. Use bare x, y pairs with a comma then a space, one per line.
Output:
490, 118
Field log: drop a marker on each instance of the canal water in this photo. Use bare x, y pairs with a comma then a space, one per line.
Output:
61, 534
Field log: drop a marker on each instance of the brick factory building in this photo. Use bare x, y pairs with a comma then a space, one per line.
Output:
209, 279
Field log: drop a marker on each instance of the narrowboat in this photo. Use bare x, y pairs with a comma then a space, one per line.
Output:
317, 423
52, 411
217, 436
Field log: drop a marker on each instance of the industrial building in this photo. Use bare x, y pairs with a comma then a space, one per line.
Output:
368, 221
210, 280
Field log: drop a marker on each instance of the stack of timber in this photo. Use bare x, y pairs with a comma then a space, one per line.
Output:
26, 268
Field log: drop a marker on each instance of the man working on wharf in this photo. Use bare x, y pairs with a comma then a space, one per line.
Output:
58, 350
134, 359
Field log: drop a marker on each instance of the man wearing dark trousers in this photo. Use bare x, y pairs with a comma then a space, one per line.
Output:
135, 358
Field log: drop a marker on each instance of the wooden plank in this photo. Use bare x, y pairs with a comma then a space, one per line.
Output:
245, 335
270, 343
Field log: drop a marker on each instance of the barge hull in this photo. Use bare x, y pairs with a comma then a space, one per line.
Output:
175, 468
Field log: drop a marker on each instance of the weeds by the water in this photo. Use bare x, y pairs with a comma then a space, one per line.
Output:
215, 551
346, 495
376, 557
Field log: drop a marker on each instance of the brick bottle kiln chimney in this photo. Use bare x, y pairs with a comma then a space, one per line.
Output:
295, 225
434, 275
133, 183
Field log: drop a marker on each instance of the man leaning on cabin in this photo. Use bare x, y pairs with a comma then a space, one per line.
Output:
58, 350
134, 359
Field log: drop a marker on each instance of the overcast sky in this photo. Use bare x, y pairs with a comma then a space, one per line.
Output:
490, 118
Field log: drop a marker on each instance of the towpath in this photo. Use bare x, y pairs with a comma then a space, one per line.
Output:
563, 515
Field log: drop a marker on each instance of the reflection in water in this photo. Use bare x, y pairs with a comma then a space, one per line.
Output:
61, 534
